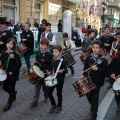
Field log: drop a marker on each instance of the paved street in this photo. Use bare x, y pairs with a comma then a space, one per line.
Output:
74, 108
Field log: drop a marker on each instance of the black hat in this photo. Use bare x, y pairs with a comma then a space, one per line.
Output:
3, 20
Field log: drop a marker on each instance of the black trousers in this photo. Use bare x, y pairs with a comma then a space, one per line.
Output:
59, 88
93, 99
9, 87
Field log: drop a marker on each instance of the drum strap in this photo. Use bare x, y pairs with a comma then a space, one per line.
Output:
8, 60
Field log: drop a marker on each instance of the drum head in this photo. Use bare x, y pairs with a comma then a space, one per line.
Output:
116, 86
38, 71
3, 76
49, 77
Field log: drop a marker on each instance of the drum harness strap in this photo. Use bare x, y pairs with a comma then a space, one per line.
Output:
89, 77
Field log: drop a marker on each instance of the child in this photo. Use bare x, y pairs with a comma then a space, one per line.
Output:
44, 58
28, 40
49, 35
57, 52
114, 70
11, 64
67, 45
99, 66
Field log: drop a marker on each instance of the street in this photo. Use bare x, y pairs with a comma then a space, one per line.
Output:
74, 107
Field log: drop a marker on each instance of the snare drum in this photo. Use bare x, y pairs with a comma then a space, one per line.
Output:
116, 86
22, 49
3, 76
69, 58
83, 87
34, 74
50, 81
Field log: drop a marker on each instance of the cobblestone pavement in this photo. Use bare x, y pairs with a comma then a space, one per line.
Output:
112, 114
74, 108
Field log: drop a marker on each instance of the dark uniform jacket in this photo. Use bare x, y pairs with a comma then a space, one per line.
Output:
54, 66
86, 43
97, 76
109, 40
11, 62
114, 67
29, 41
44, 59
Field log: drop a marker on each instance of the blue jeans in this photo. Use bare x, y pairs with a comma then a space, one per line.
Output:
27, 60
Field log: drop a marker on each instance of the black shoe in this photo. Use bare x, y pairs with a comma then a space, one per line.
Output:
14, 98
7, 107
72, 72
58, 109
93, 117
52, 109
46, 100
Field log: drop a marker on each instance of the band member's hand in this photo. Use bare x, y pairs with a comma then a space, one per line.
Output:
34, 61
113, 49
94, 67
107, 44
10, 73
82, 77
48, 72
1, 43
23, 40
60, 71
90, 46
112, 76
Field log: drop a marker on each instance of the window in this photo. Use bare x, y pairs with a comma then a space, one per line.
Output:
11, 2
37, 6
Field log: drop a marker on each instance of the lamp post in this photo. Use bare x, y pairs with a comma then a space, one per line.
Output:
104, 5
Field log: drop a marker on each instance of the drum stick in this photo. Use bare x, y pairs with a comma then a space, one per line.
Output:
85, 71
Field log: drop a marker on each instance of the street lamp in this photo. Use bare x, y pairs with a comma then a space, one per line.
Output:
104, 5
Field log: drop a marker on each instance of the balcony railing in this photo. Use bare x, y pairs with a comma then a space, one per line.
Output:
114, 4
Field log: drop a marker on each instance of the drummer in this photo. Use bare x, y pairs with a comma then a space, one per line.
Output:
114, 70
28, 40
11, 63
43, 60
57, 107
99, 66
67, 45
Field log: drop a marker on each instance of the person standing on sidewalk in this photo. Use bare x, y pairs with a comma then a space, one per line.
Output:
11, 63
44, 58
99, 66
57, 52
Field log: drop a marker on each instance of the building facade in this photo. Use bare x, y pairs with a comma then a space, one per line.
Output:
52, 10
113, 13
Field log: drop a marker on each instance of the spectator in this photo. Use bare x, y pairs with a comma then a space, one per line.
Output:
36, 24
11, 22
60, 26
16, 28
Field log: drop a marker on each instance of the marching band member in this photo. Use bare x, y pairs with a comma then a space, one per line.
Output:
28, 40
87, 45
57, 52
67, 45
114, 71
107, 39
49, 35
99, 66
11, 64
44, 58
5, 34
115, 45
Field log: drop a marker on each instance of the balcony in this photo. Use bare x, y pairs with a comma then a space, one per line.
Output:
114, 4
